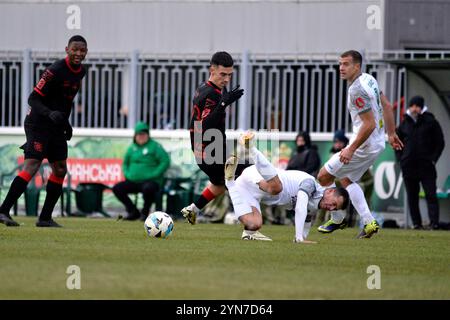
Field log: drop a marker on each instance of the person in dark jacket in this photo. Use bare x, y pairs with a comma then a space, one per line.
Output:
424, 142
144, 165
306, 158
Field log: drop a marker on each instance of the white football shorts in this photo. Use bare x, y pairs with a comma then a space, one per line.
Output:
249, 191
358, 165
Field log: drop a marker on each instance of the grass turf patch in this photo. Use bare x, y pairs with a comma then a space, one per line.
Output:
210, 261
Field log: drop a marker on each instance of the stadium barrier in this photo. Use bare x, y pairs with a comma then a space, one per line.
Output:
287, 93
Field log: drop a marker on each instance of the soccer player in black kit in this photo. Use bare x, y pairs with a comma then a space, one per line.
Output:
209, 105
47, 130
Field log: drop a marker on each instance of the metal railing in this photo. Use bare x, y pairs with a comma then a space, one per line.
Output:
284, 93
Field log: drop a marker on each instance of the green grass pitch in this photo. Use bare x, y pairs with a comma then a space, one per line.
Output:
209, 261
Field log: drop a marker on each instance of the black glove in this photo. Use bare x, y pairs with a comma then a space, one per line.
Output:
232, 96
57, 117
68, 132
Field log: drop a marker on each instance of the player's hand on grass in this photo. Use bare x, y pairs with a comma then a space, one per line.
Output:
228, 97
395, 142
346, 155
57, 117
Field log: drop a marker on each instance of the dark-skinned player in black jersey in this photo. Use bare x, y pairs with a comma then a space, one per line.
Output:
208, 118
47, 130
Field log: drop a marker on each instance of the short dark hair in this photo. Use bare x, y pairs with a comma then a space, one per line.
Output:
342, 192
222, 58
77, 38
356, 56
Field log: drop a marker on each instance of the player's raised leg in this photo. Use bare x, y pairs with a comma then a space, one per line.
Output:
271, 182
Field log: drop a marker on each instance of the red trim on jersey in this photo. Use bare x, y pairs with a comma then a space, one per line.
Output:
56, 179
208, 194
209, 83
39, 91
197, 110
205, 113
25, 175
70, 67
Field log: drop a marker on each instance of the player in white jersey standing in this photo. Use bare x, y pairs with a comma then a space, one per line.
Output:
371, 114
263, 183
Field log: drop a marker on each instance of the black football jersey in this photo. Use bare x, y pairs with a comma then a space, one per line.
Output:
56, 88
207, 113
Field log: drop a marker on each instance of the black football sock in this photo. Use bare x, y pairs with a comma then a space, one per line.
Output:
18, 186
204, 199
54, 190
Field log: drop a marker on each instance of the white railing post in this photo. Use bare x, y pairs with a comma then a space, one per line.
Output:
132, 90
244, 102
26, 83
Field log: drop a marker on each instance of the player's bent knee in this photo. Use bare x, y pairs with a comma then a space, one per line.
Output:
250, 223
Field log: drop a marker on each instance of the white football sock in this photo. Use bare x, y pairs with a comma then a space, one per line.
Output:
264, 167
338, 216
359, 202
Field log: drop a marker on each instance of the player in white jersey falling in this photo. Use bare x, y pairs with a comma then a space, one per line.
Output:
371, 113
263, 183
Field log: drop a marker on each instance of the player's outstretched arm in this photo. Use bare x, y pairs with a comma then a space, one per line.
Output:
301, 211
388, 115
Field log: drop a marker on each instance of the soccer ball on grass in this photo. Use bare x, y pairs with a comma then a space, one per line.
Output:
158, 225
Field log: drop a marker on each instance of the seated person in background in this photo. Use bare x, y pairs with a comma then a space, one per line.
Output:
144, 166
306, 158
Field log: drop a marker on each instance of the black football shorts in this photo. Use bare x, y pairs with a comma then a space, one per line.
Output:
44, 143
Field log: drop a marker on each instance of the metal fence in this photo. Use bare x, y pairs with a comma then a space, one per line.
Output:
289, 94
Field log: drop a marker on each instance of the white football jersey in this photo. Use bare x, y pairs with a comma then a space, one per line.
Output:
364, 95
293, 181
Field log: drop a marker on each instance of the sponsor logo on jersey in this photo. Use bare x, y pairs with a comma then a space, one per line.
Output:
360, 102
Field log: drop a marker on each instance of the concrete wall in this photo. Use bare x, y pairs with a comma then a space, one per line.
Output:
417, 24
194, 26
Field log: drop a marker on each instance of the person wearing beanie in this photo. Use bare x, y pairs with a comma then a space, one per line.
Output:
144, 165
424, 142
306, 158
340, 141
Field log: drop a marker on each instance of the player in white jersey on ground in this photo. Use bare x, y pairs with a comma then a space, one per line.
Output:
263, 183
371, 113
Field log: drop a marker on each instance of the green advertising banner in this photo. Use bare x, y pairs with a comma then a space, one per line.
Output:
98, 159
